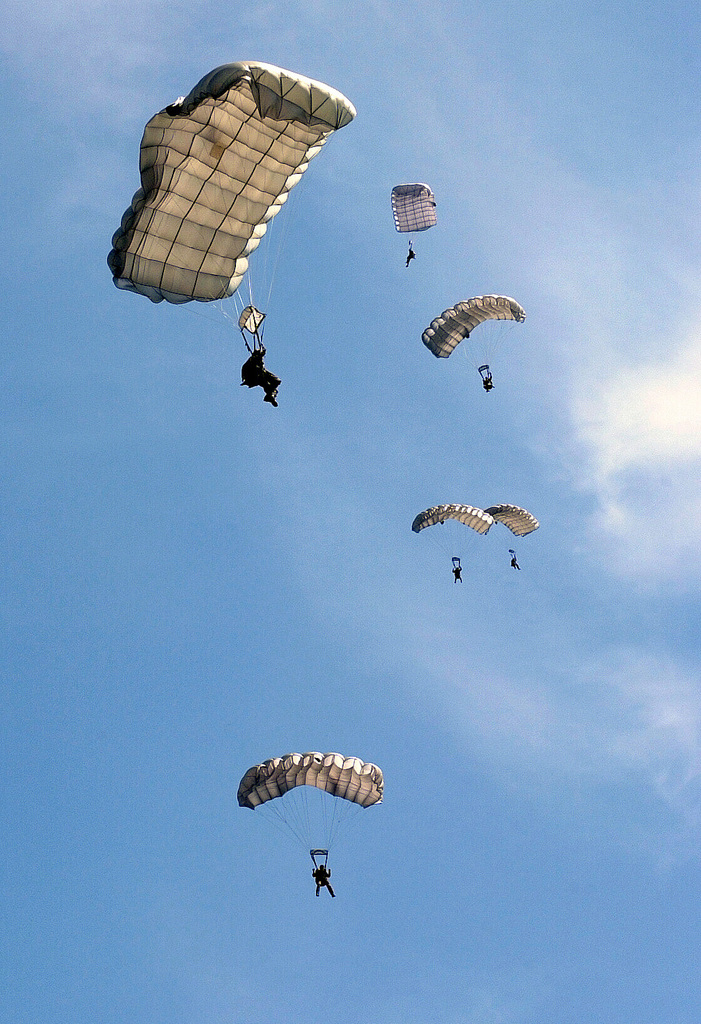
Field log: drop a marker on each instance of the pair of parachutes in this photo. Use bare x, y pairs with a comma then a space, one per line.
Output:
518, 520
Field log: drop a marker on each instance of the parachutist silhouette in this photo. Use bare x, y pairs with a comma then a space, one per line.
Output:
457, 570
486, 375
254, 374
321, 876
411, 255
514, 563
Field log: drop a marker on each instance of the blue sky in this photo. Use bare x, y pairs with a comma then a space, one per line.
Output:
194, 581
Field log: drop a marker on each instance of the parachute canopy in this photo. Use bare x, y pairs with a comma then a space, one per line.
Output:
518, 520
414, 207
475, 518
456, 323
216, 166
348, 778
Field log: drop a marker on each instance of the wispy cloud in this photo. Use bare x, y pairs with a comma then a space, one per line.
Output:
661, 732
629, 720
642, 430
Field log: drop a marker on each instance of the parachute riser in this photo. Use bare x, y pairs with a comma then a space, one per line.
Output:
257, 341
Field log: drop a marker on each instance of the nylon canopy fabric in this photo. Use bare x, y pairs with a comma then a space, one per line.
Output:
456, 323
348, 778
413, 207
476, 518
518, 520
216, 167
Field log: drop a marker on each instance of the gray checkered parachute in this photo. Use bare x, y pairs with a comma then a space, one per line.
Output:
216, 166
516, 519
458, 322
413, 207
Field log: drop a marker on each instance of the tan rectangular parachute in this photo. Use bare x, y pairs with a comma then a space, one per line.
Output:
216, 167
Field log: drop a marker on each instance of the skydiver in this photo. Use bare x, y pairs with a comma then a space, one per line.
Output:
254, 374
457, 570
486, 375
321, 876
514, 563
411, 255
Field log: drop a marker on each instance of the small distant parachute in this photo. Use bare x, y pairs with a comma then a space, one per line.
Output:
476, 518
312, 794
458, 322
216, 166
516, 519
413, 207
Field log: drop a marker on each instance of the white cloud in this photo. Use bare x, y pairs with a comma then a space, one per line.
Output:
642, 429
649, 415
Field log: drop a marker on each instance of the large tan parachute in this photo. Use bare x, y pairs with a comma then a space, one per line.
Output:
348, 778
216, 167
